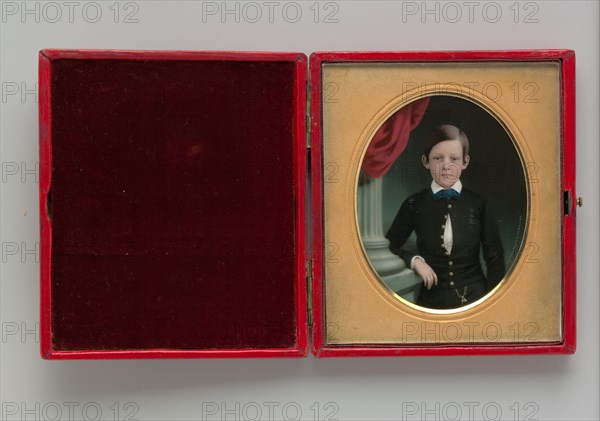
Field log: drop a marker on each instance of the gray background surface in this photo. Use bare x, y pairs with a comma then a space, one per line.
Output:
459, 388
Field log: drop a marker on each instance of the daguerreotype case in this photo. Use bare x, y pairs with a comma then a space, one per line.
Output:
216, 204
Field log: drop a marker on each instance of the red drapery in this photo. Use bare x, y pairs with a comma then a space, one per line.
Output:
392, 137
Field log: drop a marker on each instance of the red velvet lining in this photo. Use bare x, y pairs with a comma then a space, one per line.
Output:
172, 204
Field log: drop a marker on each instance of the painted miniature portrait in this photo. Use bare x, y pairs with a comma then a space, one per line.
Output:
442, 203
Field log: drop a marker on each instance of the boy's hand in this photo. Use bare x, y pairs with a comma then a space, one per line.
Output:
426, 272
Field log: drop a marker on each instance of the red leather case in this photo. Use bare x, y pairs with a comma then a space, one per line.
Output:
173, 204
566, 60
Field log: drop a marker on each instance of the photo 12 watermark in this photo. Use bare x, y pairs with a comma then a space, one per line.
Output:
452, 12
466, 331
321, 12
19, 91
20, 252
269, 411
517, 91
457, 332
20, 332
468, 411
52, 12
69, 411
19, 172
14, 171
492, 173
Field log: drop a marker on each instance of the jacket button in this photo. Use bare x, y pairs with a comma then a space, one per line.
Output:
446, 253
451, 273
451, 283
443, 226
449, 206
450, 263
442, 237
442, 244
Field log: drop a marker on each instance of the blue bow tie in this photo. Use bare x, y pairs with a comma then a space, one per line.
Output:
446, 194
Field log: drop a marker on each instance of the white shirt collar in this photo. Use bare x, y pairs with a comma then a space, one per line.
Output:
435, 187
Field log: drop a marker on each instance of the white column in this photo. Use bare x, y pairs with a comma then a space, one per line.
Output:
391, 268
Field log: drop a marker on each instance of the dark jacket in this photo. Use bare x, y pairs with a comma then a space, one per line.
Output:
473, 227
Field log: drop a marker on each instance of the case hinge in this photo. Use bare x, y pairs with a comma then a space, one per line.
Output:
308, 118
309, 279
567, 202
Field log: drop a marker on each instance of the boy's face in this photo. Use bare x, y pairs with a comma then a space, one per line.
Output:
446, 162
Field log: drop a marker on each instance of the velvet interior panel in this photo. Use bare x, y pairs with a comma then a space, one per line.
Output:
172, 204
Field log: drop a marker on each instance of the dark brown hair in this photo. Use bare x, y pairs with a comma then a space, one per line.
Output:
446, 132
